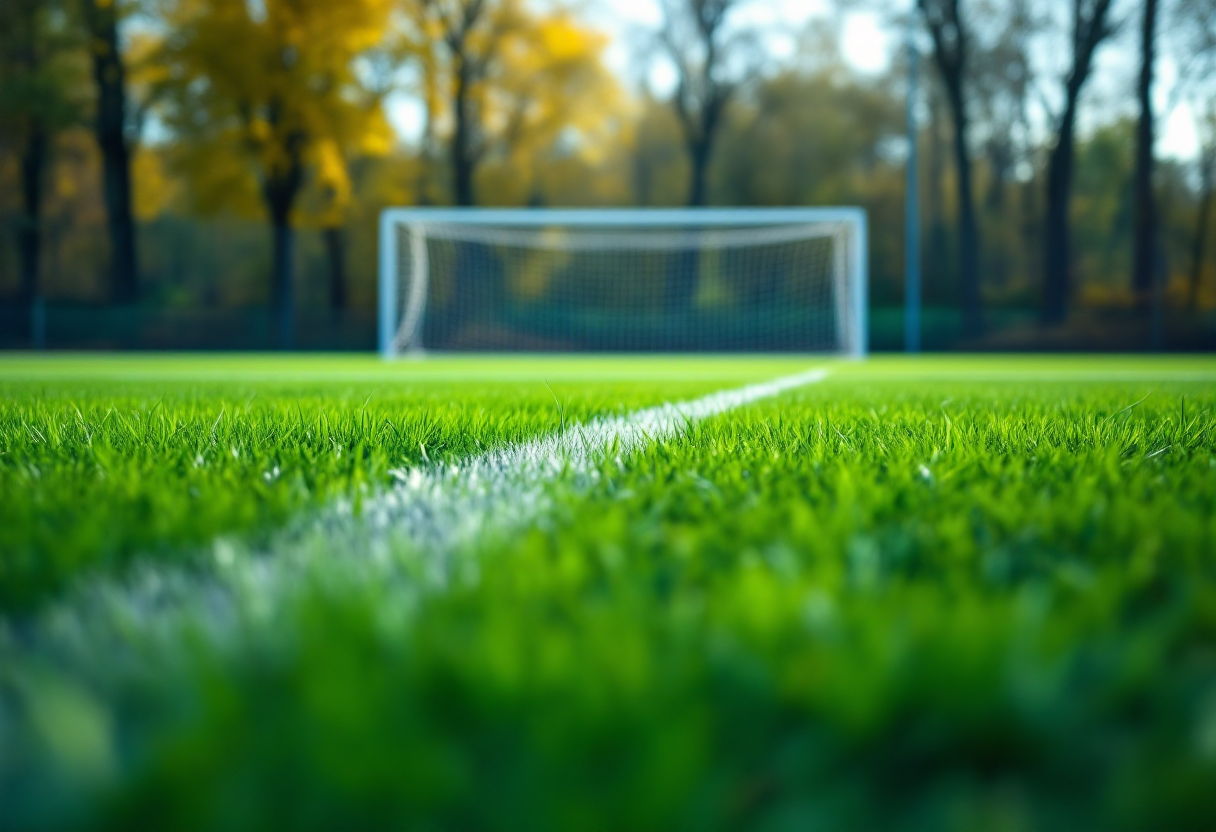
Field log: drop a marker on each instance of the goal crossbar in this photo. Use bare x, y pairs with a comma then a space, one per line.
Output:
852, 258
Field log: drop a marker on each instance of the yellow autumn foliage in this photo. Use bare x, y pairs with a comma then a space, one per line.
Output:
274, 85
536, 87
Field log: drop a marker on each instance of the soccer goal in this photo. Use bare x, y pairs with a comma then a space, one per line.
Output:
646, 280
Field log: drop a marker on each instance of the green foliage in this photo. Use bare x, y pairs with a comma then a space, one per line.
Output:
262, 99
949, 595
41, 70
820, 137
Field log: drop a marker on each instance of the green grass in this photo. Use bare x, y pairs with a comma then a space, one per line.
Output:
962, 594
102, 460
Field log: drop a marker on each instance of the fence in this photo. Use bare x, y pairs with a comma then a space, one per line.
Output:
85, 327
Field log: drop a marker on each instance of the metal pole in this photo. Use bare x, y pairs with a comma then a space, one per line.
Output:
861, 273
387, 299
912, 210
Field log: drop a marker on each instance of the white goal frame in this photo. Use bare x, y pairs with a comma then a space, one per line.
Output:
852, 259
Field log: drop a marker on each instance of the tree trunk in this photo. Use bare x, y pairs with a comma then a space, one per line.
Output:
1199, 241
684, 267
110, 77
1030, 230
282, 180
998, 263
642, 176
469, 281
1057, 250
950, 54
968, 228
280, 190
29, 234
999, 160
426, 156
282, 282
698, 157
935, 194
462, 153
335, 252
1089, 30
1145, 240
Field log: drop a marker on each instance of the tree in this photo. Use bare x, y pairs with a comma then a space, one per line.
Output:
364, 134
658, 162
706, 56
472, 31
342, 157
472, 34
413, 41
278, 88
112, 126
553, 97
510, 87
711, 61
951, 44
1001, 83
509, 82
1145, 240
818, 135
1002, 78
38, 100
811, 137
1090, 26
1207, 184
1193, 42
936, 234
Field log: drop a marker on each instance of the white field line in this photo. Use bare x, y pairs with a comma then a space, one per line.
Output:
414, 531
447, 506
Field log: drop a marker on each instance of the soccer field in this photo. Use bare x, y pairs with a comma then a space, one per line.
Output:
568, 593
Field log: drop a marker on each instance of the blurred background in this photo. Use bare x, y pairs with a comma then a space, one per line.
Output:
178, 174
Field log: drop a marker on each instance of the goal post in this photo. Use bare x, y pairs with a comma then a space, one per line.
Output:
623, 280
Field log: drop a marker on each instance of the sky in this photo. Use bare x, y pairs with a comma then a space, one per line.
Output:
865, 44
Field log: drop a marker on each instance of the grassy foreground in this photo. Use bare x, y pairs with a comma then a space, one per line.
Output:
951, 594
104, 459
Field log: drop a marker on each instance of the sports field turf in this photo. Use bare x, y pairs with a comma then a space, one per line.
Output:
968, 593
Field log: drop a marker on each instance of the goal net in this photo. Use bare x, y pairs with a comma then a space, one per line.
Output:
651, 280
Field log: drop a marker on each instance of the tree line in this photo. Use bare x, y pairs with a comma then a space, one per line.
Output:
130, 113
985, 52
